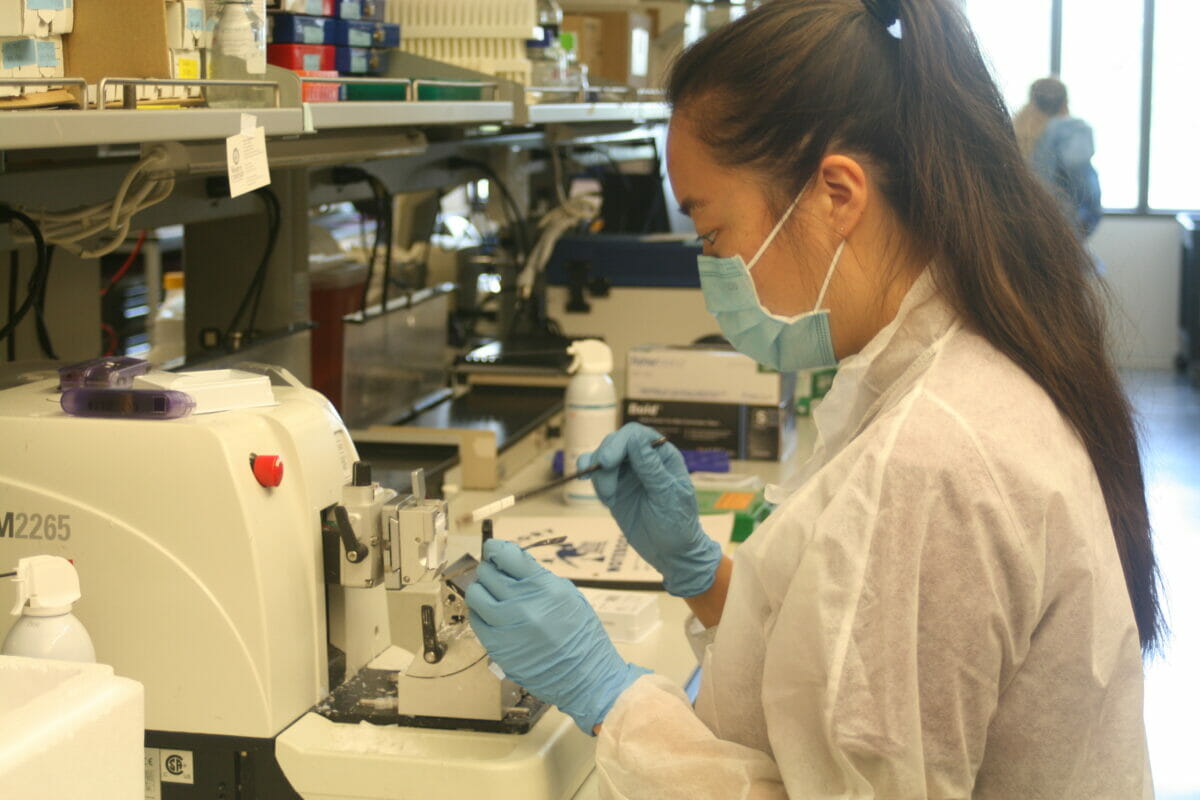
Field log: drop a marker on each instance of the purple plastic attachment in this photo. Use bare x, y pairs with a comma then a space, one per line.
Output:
106, 372
127, 403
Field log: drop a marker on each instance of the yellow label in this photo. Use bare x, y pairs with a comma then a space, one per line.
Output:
734, 501
187, 69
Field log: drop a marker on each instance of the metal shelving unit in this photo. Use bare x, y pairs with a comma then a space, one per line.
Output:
375, 114
21, 130
575, 113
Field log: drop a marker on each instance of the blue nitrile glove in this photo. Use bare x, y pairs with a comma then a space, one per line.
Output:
545, 636
652, 498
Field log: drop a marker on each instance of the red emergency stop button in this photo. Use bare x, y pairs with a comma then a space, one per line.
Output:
268, 470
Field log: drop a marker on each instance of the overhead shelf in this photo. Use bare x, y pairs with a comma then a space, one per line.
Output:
21, 130
563, 113
373, 114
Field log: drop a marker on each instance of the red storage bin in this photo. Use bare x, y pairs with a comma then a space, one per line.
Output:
320, 92
308, 57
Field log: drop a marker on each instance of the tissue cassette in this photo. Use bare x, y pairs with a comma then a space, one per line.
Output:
36, 17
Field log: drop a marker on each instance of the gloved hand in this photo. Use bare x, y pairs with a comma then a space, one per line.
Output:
545, 636
650, 495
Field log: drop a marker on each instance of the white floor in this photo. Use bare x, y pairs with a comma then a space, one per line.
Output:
1169, 411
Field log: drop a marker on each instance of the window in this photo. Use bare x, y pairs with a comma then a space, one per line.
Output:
1015, 39
1100, 49
1175, 111
1102, 68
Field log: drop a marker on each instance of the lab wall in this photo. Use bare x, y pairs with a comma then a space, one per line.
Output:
1140, 257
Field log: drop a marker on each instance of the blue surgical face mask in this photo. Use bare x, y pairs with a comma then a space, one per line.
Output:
784, 343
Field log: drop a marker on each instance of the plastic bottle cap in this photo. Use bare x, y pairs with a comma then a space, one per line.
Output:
48, 585
590, 356
172, 280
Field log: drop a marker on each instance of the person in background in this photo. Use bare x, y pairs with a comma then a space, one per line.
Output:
1060, 149
954, 599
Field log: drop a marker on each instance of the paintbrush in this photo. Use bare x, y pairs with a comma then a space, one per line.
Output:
483, 512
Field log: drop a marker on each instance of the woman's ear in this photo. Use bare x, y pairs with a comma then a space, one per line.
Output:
842, 189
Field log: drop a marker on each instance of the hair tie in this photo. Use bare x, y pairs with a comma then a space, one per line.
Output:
887, 12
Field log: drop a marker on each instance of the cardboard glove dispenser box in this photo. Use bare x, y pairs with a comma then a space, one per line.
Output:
706, 397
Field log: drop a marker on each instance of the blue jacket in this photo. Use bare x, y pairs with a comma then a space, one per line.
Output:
1062, 157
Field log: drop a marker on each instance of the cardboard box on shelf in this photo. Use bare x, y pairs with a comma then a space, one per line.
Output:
587, 30
119, 38
625, 48
40, 18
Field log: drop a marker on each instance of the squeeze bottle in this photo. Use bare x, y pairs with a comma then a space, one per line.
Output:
591, 412
47, 588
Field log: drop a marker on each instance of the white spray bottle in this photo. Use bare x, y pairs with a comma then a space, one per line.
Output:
47, 588
591, 412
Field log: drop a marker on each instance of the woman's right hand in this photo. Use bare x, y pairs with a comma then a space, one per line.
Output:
650, 495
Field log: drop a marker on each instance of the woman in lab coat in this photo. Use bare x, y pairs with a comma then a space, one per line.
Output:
955, 600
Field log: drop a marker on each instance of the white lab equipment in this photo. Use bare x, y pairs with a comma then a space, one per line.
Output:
241, 565
71, 730
47, 590
167, 337
938, 610
590, 412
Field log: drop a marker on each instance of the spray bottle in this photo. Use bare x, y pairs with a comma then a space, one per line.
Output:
47, 588
591, 412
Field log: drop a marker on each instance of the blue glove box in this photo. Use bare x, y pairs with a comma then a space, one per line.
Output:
361, 9
361, 61
297, 29
366, 33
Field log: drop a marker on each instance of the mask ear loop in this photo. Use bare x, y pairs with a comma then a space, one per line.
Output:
837, 255
775, 231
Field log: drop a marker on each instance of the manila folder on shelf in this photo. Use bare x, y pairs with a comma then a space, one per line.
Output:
595, 553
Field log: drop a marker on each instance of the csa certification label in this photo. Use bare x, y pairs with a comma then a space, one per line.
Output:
175, 766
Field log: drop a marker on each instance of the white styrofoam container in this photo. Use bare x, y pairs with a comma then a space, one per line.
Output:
213, 389
70, 730
47, 18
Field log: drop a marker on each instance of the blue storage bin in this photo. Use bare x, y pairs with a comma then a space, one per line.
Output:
361, 61
361, 9
298, 29
366, 33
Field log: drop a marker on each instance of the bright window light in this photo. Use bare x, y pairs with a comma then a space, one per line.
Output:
1175, 116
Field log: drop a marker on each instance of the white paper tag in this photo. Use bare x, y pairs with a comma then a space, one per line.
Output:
153, 777
246, 158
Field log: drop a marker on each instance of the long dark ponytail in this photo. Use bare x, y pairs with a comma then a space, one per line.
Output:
795, 79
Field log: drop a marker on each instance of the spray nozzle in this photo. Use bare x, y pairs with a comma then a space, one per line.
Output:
590, 356
47, 585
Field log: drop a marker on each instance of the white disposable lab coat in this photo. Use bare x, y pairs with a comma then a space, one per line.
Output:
938, 611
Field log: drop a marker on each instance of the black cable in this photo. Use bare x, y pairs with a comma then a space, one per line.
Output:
14, 275
383, 232
275, 214
254, 290
39, 310
36, 277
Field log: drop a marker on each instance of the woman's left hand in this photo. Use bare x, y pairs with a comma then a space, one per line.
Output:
544, 635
